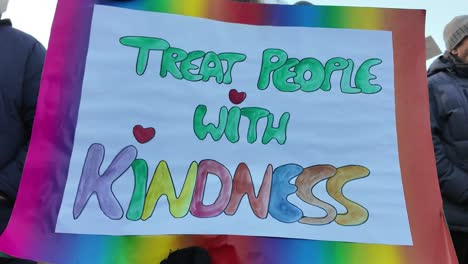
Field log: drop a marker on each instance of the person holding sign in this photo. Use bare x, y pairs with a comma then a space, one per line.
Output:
21, 64
448, 92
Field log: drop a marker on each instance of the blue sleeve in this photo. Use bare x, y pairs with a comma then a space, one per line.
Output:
453, 181
31, 81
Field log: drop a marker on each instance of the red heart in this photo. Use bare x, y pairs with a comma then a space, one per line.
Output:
236, 97
143, 135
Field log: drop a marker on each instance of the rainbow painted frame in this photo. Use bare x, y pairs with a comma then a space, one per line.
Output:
30, 233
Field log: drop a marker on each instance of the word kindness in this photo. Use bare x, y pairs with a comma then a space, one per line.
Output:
288, 74
272, 197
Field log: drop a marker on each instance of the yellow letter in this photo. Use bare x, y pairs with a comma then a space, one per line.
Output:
356, 214
162, 184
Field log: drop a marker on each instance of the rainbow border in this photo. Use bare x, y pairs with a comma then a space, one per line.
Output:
30, 233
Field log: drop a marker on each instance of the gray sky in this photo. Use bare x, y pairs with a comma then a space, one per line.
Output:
35, 16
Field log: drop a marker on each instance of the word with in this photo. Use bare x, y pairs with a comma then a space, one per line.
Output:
180, 64
277, 66
229, 121
272, 196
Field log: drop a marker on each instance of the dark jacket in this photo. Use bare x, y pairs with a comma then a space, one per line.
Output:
448, 95
21, 62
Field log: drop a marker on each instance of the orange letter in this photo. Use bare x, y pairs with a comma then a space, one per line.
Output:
305, 183
243, 185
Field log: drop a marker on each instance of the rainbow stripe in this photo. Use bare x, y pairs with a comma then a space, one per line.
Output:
31, 232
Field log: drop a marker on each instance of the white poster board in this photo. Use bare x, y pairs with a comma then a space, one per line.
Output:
321, 119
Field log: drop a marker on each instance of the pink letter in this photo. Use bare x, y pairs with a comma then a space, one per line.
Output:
197, 208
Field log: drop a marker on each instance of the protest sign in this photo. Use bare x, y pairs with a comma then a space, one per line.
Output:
251, 123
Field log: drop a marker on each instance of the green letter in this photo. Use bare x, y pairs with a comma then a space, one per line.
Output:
186, 66
254, 114
170, 57
283, 74
331, 66
144, 45
232, 127
317, 73
140, 173
346, 80
269, 66
278, 133
363, 77
202, 130
211, 66
231, 58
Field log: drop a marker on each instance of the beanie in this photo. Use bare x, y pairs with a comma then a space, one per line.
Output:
455, 32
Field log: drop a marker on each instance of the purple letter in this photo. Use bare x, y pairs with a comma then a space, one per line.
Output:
93, 182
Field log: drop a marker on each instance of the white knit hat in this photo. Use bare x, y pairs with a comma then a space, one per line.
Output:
455, 32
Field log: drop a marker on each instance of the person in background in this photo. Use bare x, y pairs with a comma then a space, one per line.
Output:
21, 62
448, 95
303, 3
190, 255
